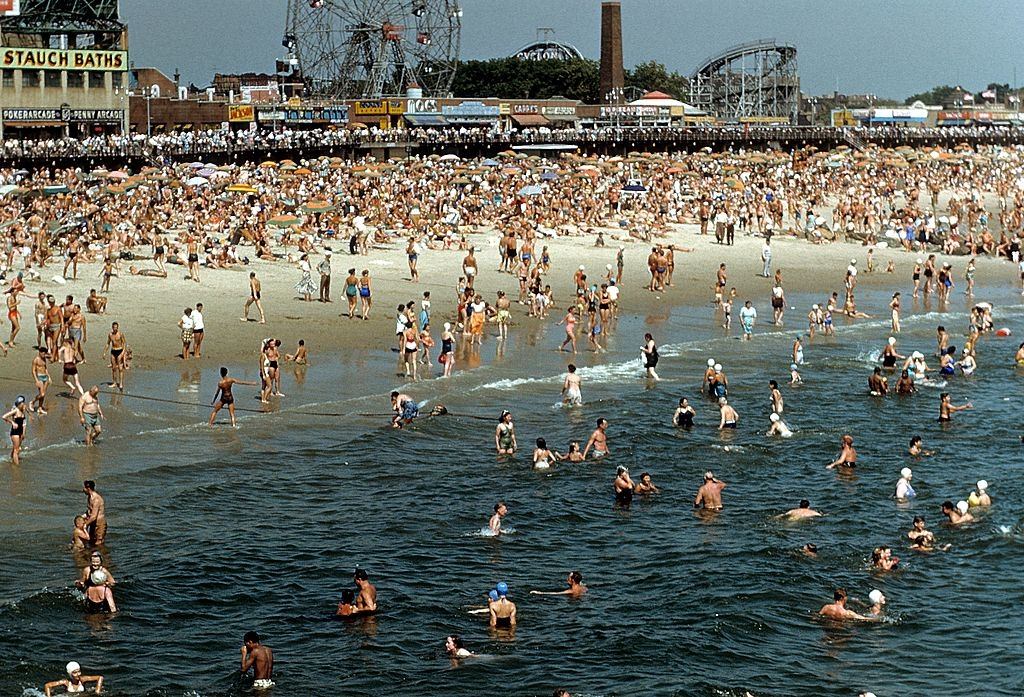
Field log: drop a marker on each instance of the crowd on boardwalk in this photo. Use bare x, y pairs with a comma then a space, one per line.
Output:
213, 141
209, 219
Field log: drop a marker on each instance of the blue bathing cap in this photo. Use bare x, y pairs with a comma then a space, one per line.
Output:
493, 595
502, 588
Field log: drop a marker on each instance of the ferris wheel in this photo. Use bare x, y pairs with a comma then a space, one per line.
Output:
373, 48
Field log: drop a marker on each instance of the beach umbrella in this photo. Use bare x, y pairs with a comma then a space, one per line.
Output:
114, 189
490, 163
302, 171
548, 176
317, 206
241, 189
268, 164
461, 181
204, 172
117, 174
197, 181
449, 158
635, 188
530, 190
55, 189
288, 162
7, 188
284, 221
287, 168
196, 165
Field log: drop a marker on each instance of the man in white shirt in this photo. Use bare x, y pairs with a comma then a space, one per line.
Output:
198, 327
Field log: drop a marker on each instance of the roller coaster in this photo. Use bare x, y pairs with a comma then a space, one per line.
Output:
748, 81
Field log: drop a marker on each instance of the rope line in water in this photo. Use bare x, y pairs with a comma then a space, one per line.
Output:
251, 410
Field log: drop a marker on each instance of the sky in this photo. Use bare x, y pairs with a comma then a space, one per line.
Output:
887, 48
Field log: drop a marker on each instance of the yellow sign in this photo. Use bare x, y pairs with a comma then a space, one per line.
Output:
294, 102
56, 59
371, 108
240, 113
765, 119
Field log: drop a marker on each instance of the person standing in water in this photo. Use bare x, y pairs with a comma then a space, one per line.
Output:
836, 610
75, 682
17, 417
571, 394
223, 396
90, 413
575, 589
570, 329
847, 456
258, 658
500, 511
505, 434
650, 355
598, 440
947, 408
747, 317
503, 610
709, 495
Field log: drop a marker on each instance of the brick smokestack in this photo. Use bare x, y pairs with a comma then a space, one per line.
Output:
611, 48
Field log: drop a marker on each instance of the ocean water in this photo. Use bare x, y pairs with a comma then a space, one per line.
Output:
214, 532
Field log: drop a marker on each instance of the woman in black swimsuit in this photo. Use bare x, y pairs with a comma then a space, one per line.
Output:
16, 417
223, 397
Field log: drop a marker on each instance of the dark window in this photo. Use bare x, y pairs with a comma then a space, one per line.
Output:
76, 78
30, 78
95, 79
52, 78
8, 77
117, 79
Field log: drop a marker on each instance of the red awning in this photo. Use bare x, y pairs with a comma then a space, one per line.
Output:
530, 120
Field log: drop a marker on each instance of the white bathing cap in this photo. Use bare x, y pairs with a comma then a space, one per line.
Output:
72, 667
814, 307
917, 355
962, 506
774, 417
906, 473
718, 367
892, 341
920, 260
711, 362
792, 366
982, 485
853, 261
608, 266
447, 326
582, 267
876, 596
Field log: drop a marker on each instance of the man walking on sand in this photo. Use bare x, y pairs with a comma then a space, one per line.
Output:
324, 269
254, 299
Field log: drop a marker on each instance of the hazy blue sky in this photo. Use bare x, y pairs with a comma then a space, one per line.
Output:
891, 48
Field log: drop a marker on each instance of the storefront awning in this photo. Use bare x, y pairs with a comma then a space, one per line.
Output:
561, 117
34, 124
426, 120
530, 120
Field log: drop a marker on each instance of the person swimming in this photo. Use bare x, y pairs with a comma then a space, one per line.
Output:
542, 457
904, 489
778, 427
980, 497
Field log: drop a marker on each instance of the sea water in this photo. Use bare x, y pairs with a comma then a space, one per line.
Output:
215, 532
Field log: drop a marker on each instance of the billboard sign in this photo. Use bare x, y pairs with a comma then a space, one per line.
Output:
56, 59
10, 8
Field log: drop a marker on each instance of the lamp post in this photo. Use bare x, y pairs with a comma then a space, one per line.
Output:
614, 97
149, 124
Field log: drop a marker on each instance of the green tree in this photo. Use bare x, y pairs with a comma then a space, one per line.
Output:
512, 78
937, 95
652, 75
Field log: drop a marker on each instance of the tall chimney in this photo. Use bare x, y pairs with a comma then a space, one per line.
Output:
611, 50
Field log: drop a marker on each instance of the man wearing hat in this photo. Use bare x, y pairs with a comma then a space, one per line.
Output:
324, 267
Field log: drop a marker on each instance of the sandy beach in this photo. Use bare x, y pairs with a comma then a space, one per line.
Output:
148, 308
